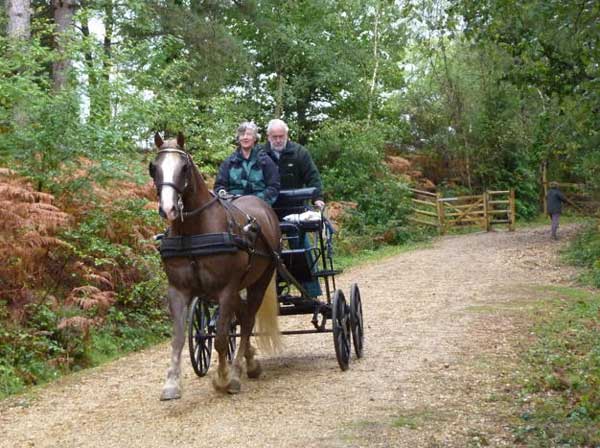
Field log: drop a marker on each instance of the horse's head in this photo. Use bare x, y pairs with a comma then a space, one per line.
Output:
171, 170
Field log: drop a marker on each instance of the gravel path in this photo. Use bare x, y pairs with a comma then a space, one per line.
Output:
418, 385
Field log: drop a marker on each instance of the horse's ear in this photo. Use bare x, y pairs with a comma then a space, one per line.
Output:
180, 140
158, 141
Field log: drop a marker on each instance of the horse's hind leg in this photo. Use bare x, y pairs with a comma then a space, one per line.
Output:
178, 303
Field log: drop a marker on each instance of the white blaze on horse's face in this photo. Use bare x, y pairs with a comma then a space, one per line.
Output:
172, 169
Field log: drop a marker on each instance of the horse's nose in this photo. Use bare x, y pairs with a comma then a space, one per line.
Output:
170, 214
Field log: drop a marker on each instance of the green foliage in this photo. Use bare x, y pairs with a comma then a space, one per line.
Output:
561, 374
350, 158
585, 252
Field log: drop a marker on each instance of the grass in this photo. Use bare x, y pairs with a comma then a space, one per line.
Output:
375, 255
560, 371
415, 419
544, 220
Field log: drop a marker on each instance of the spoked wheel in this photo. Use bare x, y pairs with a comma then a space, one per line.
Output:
340, 319
231, 343
356, 320
200, 336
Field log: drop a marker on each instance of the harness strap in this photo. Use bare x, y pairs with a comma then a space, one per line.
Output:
200, 209
198, 245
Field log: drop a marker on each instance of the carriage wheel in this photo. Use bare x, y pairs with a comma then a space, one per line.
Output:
231, 344
356, 320
199, 336
340, 319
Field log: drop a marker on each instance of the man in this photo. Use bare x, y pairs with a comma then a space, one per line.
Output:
296, 166
554, 200
296, 170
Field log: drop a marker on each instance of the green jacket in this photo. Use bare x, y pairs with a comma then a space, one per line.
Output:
256, 176
296, 167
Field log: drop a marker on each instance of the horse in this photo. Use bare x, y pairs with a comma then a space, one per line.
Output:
191, 209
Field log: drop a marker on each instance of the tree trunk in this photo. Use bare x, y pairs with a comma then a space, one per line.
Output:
279, 95
19, 19
63, 17
19, 29
109, 25
376, 61
91, 69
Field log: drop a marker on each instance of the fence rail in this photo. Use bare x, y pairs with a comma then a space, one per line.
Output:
484, 210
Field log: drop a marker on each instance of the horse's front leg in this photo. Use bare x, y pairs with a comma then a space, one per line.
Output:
224, 381
178, 305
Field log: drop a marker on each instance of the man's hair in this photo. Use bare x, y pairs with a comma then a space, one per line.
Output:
553, 184
247, 126
277, 122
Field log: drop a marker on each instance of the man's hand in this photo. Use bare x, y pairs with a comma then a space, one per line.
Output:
320, 204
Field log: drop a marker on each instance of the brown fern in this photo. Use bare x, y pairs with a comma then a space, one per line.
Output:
78, 323
87, 297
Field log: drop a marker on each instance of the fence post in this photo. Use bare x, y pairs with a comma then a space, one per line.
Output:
512, 208
486, 209
485, 220
440, 212
545, 185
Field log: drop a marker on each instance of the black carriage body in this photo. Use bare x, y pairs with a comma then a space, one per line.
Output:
304, 262
300, 263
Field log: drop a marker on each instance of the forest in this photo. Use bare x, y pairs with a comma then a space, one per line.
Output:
476, 94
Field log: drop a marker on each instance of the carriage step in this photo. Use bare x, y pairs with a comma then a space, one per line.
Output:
328, 273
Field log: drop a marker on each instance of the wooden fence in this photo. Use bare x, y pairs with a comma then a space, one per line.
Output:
485, 210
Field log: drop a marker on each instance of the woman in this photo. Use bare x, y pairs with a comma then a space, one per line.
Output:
249, 170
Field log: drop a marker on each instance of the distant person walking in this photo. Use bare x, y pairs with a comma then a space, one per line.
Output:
554, 201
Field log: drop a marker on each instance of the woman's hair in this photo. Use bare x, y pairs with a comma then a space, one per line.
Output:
247, 126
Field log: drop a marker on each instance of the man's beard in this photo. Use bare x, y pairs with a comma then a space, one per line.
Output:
279, 147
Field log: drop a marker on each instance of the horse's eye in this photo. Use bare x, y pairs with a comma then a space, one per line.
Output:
152, 169
185, 168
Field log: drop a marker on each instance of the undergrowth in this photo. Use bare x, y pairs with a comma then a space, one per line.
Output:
80, 280
560, 373
585, 252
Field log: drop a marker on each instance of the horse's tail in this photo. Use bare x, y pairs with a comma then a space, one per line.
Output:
267, 328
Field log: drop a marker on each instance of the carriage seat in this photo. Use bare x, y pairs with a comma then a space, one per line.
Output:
294, 201
294, 212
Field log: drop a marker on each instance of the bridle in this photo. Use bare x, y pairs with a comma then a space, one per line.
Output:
188, 163
180, 191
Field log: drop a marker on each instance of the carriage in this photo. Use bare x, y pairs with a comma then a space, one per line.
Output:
306, 258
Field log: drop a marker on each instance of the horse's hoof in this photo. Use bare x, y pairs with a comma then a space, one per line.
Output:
255, 372
218, 385
171, 393
234, 386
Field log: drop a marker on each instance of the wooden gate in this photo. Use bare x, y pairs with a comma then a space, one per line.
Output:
485, 210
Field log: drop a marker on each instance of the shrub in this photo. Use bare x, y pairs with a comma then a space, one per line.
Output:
350, 158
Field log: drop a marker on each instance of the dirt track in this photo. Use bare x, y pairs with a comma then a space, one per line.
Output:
421, 370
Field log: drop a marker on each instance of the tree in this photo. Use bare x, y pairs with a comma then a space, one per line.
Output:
64, 11
19, 19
